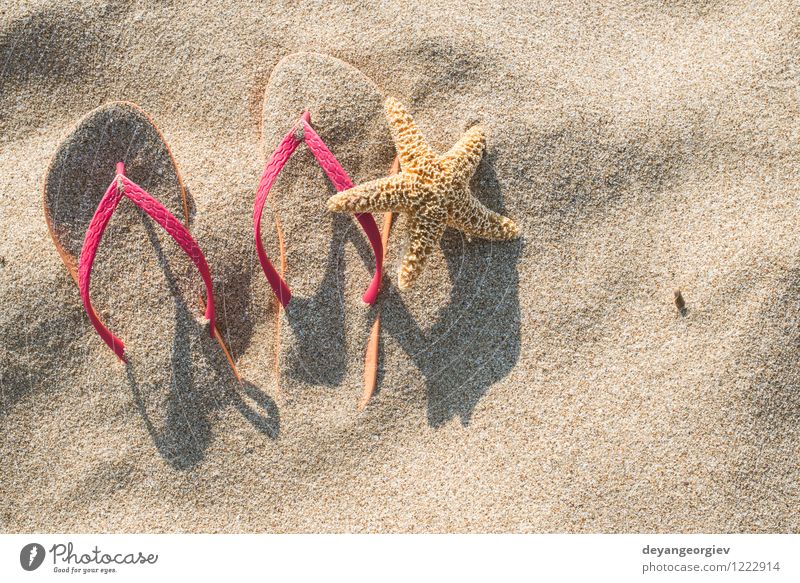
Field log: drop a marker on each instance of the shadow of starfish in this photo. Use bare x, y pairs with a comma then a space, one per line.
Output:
475, 340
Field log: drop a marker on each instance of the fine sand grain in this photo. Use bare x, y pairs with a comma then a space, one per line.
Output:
547, 384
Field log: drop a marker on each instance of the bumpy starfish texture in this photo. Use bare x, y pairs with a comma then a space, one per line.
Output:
432, 191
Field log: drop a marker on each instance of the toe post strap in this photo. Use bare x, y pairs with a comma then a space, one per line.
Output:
303, 132
121, 186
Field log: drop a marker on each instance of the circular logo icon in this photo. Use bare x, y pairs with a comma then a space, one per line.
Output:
31, 556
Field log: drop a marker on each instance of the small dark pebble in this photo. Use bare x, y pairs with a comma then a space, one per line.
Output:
680, 303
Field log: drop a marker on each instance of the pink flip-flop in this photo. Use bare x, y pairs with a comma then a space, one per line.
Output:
335, 272
303, 132
62, 231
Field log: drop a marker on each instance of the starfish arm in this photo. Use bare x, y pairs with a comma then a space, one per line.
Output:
411, 146
424, 232
473, 219
376, 196
463, 158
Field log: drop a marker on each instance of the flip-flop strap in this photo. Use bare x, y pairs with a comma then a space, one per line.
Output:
159, 213
119, 187
340, 180
91, 241
275, 164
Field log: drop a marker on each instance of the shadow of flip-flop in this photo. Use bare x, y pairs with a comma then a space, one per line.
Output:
267, 422
321, 358
186, 431
318, 356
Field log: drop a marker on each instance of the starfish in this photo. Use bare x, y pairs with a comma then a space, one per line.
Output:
432, 191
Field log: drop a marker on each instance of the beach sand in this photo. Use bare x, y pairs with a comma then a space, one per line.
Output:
544, 385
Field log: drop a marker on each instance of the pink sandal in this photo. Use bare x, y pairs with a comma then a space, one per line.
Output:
77, 228
302, 131
119, 187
